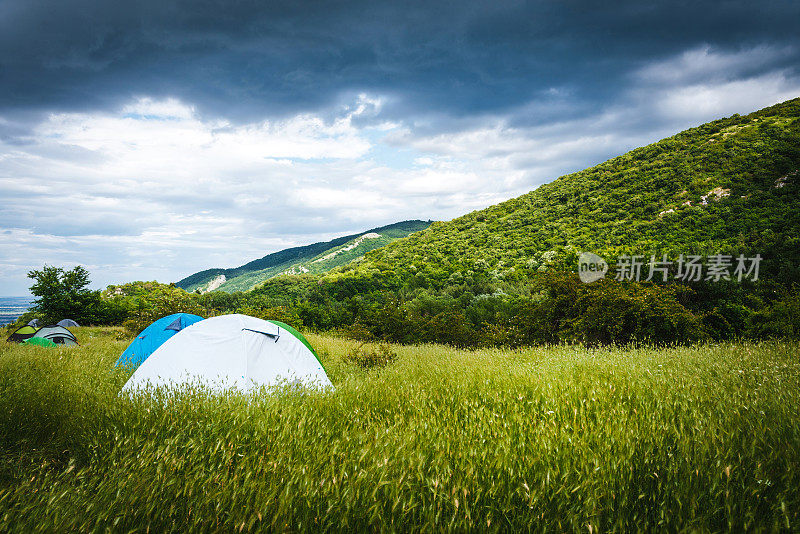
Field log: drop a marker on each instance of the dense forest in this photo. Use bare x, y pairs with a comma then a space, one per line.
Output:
506, 275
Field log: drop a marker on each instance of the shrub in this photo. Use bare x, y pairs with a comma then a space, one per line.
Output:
604, 312
452, 328
781, 319
371, 357
612, 312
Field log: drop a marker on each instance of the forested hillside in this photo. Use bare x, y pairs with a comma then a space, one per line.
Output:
729, 185
502, 274
316, 258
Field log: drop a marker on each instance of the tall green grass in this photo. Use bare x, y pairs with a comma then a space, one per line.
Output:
561, 438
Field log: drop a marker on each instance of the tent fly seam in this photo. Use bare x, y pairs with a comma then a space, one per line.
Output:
276, 337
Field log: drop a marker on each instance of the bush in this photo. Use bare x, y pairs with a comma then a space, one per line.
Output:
781, 319
613, 312
452, 328
603, 312
371, 357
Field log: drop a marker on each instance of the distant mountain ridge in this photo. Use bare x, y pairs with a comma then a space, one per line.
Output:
316, 258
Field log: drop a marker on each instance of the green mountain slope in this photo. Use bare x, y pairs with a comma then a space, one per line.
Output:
729, 185
316, 258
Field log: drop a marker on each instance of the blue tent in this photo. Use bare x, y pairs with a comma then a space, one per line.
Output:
154, 336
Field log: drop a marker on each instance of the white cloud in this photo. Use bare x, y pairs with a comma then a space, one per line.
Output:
156, 191
705, 62
169, 108
718, 99
703, 83
333, 198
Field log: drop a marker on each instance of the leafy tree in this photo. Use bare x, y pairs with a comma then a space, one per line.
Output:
63, 294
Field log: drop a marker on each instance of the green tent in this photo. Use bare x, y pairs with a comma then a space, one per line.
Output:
21, 334
39, 341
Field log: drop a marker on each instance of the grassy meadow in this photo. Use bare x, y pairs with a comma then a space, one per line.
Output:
558, 438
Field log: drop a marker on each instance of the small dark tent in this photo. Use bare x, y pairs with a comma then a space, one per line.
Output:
67, 323
21, 334
57, 334
34, 323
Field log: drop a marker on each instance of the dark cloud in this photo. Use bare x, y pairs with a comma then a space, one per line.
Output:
250, 58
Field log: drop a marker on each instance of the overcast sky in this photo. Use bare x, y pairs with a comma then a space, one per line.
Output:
152, 139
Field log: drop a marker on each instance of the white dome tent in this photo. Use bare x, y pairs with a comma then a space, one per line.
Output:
232, 351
